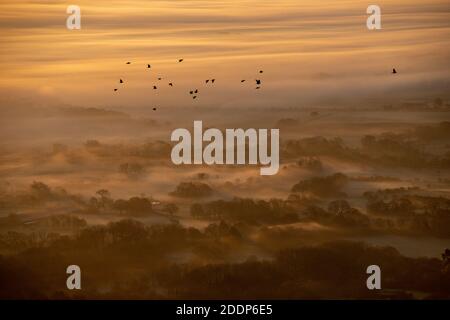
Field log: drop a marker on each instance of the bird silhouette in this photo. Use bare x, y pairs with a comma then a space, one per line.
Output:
394, 71
154, 109
196, 91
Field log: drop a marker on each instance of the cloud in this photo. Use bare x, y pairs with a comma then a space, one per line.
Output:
297, 42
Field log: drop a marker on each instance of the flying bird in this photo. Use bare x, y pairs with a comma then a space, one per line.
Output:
242, 80
213, 80
260, 71
206, 81
394, 71
115, 89
120, 81
154, 87
171, 84
154, 109
258, 87
191, 92
128, 62
180, 60
159, 78
194, 97
258, 81
196, 91
149, 66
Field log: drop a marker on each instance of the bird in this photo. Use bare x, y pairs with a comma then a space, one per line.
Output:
196, 91
212, 80
171, 84
159, 78
154, 109
120, 81
242, 81
260, 71
258, 87
394, 71
149, 66
206, 81
154, 87
128, 62
115, 89
180, 60
191, 92
194, 97
258, 81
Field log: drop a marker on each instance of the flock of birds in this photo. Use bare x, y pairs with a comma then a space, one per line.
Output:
194, 92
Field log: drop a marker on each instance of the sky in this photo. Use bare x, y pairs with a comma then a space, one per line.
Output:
312, 52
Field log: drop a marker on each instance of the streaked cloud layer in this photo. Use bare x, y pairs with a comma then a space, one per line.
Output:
313, 51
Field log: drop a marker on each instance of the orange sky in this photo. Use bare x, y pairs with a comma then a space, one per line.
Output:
311, 51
